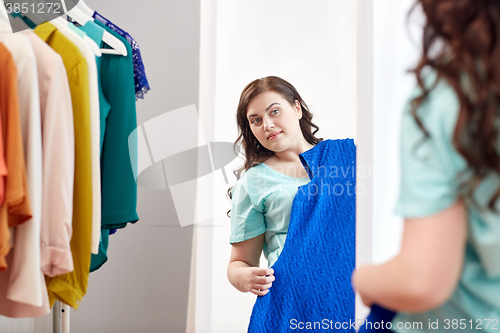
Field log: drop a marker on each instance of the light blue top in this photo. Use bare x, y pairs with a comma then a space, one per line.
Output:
428, 186
261, 203
75, 29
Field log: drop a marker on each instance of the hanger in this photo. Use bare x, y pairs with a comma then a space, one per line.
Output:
59, 22
19, 24
84, 8
4, 19
79, 16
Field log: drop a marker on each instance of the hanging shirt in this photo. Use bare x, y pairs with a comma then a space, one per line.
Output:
140, 79
314, 269
95, 32
429, 186
58, 147
4, 27
261, 203
70, 288
16, 208
3, 172
74, 37
118, 187
4, 227
119, 191
23, 292
25, 284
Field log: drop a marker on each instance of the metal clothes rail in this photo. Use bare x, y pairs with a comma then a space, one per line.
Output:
61, 317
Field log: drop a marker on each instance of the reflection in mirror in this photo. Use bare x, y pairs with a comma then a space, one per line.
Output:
285, 92
295, 203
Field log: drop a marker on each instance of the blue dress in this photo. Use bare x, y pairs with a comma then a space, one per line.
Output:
312, 290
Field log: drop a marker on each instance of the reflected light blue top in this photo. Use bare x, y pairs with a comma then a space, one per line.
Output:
428, 186
261, 203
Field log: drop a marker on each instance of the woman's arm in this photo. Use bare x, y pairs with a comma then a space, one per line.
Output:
243, 271
425, 273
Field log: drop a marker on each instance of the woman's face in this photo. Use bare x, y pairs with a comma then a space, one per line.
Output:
274, 122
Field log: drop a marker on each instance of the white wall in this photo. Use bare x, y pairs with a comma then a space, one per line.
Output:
313, 46
394, 53
385, 52
364, 151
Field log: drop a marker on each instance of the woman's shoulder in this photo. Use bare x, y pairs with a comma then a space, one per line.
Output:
438, 112
256, 182
252, 175
442, 100
254, 171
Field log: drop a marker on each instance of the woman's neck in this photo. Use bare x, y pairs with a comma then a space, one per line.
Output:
292, 155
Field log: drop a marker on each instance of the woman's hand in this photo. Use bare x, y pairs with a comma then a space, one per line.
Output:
253, 279
366, 301
356, 287
244, 272
424, 275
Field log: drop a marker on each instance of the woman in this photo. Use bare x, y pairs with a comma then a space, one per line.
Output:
275, 127
447, 275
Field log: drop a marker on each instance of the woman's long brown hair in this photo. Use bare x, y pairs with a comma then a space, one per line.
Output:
461, 38
254, 152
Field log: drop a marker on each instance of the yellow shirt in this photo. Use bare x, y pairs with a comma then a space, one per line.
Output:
71, 287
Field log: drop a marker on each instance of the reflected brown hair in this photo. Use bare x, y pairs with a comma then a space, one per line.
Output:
253, 151
461, 39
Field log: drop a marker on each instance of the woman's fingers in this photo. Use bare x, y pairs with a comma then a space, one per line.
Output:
264, 279
264, 271
261, 280
265, 286
259, 292
262, 286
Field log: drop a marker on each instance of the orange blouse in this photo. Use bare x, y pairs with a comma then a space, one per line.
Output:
15, 208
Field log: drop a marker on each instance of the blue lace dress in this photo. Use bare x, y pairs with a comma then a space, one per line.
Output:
140, 79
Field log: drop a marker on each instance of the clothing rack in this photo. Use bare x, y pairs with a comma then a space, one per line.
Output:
60, 318
61, 311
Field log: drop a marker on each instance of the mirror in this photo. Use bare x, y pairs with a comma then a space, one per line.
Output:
313, 47
164, 274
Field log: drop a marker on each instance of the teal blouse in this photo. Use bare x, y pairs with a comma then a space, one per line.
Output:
118, 122
428, 186
261, 204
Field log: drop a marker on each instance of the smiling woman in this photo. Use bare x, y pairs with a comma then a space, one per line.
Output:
276, 134
268, 123
275, 126
274, 122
